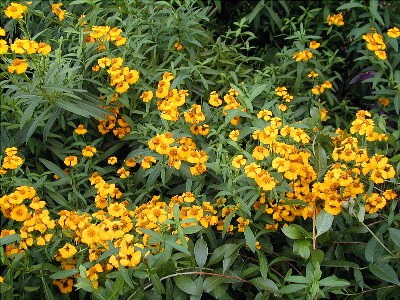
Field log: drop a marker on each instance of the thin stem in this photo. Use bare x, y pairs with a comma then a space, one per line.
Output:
197, 273
378, 240
314, 236
371, 290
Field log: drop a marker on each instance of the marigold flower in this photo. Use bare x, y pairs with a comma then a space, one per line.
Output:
55, 8
314, 45
238, 161
70, 161
146, 162
11, 162
112, 160
43, 48
19, 213
384, 101
80, 129
65, 285
178, 46
67, 251
234, 134
123, 173
18, 65
146, 96
2, 31
303, 55
15, 10
88, 151
335, 19
393, 32
313, 74
3, 47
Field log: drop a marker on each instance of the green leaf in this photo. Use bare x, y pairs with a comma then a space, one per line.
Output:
292, 232
395, 236
333, 281
210, 283
323, 222
373, 9
47, 293
264, 284
201, 252
53, 168
320, 161
349, 5
250, 238
64, 274
186, 284
302, 248
384, 271
157, 284
125, 275
263, 264
8, 239
292, 288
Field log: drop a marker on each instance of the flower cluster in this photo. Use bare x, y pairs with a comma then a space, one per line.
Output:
282, 92
120, 77
56, 9
303, 55
102, 34
15, 10
335, 19
178, 150
320, 88
376, 44
11, 161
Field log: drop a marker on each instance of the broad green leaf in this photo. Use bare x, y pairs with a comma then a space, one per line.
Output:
349, 5
158, 286
125, 275
264, 284
64, 274
201, 252
292, 288
292, 232
302, 248
47, 293
323, 222
211, 282
263, 264
320, 161
395, 236
333, 281
186, 284
8, 239
373, 9
385, 272
53, 168
250, 238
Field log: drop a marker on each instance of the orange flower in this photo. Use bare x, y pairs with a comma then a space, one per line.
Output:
70, 161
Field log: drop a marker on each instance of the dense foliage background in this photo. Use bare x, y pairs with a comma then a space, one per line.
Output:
200, 149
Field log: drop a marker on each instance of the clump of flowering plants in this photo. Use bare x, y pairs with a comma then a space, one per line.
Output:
126, 174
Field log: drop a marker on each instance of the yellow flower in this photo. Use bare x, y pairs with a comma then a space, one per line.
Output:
43, 48
67, 251
312, 74
65, 285
146, 162
11, 151
303, 55
384, 101
178, 46
12, 162
19, 213
3, 47
2, 31
112, 160
88, 151
123, 173
70, 161
314, 45
1, 279
80, 129
394, 32
214, 99
146, 96
238, 161
55, 8
234, 134
15, 10
381, 54
335, 19
18, 65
